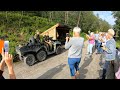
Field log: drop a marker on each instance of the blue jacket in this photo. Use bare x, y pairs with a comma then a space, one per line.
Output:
111, 50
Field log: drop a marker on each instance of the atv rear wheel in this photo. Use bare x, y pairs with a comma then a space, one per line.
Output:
29, 59
41, 55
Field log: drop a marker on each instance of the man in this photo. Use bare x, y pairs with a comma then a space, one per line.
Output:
46, 37
48, 41
110, 51
75, 45
96, 39
37, 37
99, 43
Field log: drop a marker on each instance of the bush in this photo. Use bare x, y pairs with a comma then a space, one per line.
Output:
118, 43
28, 27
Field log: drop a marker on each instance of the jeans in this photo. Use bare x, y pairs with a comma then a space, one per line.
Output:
89, 48
74, 65
105, 69
106, 65
96, 43
99, 49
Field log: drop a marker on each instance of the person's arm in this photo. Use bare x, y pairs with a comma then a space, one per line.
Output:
9, 63
91, 38
2, 65
68, 43
7, 58
1, 73
83, 43
108, 48
87, 36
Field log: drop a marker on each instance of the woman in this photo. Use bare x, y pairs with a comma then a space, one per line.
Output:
110, 49
91, 43
99, 49
75, 45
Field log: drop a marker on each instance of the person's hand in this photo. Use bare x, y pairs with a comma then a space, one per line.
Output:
104, 48
67, 39
7, 58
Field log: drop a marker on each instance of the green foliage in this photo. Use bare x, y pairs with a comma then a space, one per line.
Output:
19, 28
118, 43
116, 15
83, 35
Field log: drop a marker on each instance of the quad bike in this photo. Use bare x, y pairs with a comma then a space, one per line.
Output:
33, 52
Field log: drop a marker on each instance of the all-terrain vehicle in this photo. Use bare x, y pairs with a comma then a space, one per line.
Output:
33, 52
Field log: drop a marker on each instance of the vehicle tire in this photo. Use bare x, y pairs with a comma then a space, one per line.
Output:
29, 59
41, 55
58, 50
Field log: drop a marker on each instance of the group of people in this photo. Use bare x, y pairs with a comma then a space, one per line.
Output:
102, 41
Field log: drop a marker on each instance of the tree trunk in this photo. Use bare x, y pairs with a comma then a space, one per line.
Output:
6, 19
78, 19
20, 19
65, 17
50, 17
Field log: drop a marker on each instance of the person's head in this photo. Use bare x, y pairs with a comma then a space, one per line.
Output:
76, 31
110, 34
47, 33
37, 32
100, 33
35, 36
97, 32
92, 33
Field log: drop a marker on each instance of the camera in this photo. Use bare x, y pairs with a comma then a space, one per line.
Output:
67, 35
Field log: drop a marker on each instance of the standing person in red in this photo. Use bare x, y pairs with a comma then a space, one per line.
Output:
75, 45
8, 60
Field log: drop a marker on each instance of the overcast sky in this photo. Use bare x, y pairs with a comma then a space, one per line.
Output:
106, 15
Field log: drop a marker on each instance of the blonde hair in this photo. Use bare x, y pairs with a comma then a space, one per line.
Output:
111, 32
76, 29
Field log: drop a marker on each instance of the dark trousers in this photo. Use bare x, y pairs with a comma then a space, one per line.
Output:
106, 67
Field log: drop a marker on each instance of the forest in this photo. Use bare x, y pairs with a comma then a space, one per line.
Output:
19, 26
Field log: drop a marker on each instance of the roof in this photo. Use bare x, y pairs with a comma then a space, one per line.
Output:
58, 25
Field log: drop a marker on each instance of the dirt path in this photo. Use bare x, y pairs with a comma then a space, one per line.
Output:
56, 67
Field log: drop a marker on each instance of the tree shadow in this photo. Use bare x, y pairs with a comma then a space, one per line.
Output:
50, 73
83, 71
